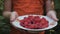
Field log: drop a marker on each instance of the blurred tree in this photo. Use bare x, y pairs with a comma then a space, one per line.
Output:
57, 4
1, 6
4, 23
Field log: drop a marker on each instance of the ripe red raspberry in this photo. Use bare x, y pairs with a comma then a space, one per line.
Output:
36, 17
34, 22
25, 23
26, 26
45, 25
21, 21
22, 24
32, 26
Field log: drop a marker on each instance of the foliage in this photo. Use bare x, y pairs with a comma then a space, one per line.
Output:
5, 26
4, 23
57, 4
1, 6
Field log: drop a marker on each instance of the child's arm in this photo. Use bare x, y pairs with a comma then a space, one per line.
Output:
49, 5
50, 10
7, 5
7, 8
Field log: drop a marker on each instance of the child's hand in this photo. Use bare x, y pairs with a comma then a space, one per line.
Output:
52, 14
13, 16
6, 14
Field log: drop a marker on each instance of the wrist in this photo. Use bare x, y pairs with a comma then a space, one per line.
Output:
6, 13
51, 11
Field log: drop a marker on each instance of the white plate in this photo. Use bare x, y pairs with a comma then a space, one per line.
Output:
16, 23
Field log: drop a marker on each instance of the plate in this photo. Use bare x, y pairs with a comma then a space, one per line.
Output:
52, 23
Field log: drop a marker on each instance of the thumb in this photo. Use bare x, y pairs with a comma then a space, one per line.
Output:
56, 19
13, 16
53, 16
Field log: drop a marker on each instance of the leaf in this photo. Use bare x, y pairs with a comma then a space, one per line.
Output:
1, 17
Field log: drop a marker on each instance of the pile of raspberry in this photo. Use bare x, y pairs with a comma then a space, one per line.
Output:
34, 22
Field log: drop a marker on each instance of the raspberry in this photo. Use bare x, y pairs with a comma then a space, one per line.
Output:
21, 21
45, 26
25, 23
26, 27
32, 26
36, 17
22, 24
34, 22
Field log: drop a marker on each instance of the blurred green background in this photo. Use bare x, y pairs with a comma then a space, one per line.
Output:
5, 25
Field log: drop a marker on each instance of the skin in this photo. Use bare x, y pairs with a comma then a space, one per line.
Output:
7, 8
49, 10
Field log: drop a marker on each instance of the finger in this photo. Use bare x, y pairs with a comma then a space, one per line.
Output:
12, 17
